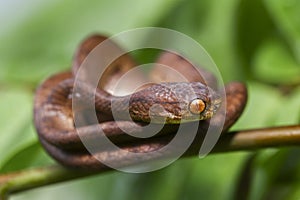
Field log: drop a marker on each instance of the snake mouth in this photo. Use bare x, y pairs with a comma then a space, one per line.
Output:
212, 109
216, 105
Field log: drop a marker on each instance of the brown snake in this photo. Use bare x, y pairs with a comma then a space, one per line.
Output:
55, 124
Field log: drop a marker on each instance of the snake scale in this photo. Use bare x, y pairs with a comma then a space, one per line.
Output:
54, 119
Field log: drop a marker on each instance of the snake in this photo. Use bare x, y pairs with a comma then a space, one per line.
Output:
170, 103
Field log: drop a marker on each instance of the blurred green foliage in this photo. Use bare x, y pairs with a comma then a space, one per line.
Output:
257, 42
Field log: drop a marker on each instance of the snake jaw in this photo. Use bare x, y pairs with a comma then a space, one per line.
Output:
212, 107
158, 114
216, 105
173, 103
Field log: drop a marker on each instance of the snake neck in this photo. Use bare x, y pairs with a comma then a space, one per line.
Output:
116, 106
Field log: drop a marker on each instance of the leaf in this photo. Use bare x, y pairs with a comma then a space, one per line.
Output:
30, 156
211, 24
289, 109
273, 63
192, 178
253, 25
286, 16
276, 174
45, 42
264, 172
259, 112
214, 176
16, 131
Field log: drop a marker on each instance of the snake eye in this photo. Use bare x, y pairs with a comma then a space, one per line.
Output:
197, 106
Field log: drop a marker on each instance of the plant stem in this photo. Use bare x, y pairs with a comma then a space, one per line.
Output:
36, 177
258, 138
231, 141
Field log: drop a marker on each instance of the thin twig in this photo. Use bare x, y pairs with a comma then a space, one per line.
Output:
258, 138
231, 141
36, 177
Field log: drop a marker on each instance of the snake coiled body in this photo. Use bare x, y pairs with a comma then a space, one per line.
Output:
54, 117
170, 103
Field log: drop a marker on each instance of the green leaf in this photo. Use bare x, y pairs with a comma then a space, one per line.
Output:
265, 166
253, 25
268, 107
30, 156
289, 109
207, 23
45, 42
274, 63
214, 176
286, 16
16, 129
276, 174
259, 112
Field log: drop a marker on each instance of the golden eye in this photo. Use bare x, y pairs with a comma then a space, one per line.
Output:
197, 106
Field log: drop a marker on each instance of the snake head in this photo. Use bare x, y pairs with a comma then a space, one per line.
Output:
174, 103
196, 101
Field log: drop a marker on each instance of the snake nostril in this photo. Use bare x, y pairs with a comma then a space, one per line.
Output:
197, 106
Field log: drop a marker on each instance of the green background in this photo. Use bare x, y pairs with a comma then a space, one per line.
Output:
257, 42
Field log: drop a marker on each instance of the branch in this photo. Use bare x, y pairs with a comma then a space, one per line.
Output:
258, 138
231, 141
36, 177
